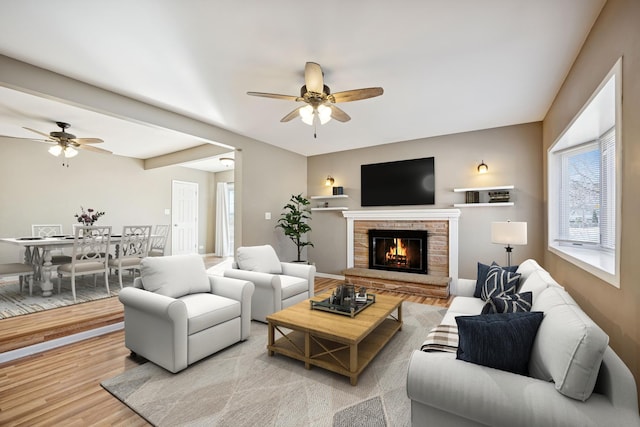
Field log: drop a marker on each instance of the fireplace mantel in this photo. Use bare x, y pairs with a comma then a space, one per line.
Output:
450, 215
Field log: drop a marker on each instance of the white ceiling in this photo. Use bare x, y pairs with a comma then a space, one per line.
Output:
446, 67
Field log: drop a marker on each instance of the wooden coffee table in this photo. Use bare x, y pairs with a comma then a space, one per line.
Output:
332, 341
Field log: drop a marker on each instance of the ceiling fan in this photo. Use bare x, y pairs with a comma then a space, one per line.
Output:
318, 98
65, 143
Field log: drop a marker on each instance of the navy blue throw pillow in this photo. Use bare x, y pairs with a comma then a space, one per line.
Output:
509, 303
481, 276
501, 341
499, 282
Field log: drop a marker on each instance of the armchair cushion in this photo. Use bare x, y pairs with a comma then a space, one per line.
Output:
262, 259
293, 286
174, 276
207, 310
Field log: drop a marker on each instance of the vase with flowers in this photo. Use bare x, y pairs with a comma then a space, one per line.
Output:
88, 217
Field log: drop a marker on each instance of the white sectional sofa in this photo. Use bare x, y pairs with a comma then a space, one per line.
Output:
567, 384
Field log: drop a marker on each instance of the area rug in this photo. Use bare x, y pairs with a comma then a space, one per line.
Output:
243, 386
16, 303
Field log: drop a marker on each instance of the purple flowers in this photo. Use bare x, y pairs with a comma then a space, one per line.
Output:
89, 216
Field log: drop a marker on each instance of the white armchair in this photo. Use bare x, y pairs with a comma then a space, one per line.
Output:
175, 315
278, 284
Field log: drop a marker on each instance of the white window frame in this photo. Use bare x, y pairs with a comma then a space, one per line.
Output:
592, 122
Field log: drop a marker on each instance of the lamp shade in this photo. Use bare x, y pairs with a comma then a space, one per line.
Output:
509, 233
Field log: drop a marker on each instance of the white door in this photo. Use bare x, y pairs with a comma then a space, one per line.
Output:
184, 217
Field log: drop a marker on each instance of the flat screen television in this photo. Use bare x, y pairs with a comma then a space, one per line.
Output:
403, 182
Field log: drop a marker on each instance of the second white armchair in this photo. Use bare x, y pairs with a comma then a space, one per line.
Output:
278, 284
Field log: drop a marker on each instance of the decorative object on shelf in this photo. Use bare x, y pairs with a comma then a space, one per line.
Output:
88, 217
498, 196
509, 233
227, 162
293, 222
472, 197
483, 168
329, 181
337, 191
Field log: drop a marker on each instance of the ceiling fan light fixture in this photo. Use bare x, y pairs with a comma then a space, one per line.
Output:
227, 162
55, 150
306, 113
70, 152
324, 113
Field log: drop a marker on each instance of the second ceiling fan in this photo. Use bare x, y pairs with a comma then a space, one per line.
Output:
320, 102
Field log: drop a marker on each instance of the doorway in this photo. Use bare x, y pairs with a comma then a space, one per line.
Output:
184, 217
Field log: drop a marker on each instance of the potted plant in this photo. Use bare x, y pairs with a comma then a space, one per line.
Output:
293, 221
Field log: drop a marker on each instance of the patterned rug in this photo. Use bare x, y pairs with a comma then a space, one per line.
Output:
16, 303
243, 386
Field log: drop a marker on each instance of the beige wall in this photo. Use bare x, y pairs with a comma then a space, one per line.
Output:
614, 34
37, 189
513, 155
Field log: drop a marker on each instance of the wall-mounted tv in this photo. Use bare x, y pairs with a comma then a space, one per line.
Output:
404, 182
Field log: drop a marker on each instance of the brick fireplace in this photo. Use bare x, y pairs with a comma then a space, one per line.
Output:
441, 226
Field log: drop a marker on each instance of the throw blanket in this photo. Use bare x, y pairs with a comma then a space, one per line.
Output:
442, 338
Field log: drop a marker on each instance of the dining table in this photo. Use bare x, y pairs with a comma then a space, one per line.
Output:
32, 246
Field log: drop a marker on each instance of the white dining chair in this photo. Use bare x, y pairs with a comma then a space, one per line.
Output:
23, 271
57, 255
90, 255
159, 240
133, 246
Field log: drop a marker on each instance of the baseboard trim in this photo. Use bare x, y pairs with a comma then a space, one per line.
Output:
19, 353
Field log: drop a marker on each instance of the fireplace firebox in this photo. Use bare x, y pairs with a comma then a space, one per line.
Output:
398, 250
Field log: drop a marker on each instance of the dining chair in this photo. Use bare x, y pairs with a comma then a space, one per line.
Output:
133, 246
159, 240
21, 270
90, 255
57, 255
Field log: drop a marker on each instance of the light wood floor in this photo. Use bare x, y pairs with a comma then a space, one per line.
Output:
62, 386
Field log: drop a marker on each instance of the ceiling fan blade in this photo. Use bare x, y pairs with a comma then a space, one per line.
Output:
38, 132
292, 115
338, 114
275, 96
356, 94
47, 141
92, 148
313, 77
82, 141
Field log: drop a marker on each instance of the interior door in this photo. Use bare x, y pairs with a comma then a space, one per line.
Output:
184, 217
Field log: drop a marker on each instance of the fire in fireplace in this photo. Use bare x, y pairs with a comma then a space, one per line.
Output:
398, 250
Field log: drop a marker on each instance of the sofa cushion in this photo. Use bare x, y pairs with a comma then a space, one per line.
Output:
569, 347
174, 276
536, 282
499, 282
508, 303
262, 259
501, 341
292, 285
526, 268
207, 310
481, 277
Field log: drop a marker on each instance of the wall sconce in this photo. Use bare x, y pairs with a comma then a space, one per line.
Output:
227, 162
483, 168
329, 181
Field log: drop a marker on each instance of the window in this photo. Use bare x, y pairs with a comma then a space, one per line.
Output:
584, 185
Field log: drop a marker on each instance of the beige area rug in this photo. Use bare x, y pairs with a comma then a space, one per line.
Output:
243, 386
16, 303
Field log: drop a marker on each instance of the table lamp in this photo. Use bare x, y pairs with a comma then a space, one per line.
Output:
509, 233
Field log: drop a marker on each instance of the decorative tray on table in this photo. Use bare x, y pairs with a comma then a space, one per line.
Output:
344, 300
